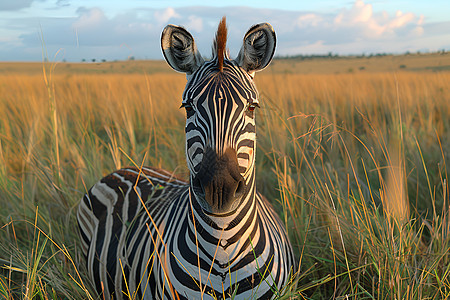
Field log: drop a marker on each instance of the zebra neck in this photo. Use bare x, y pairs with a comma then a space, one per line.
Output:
223, 238
224, 225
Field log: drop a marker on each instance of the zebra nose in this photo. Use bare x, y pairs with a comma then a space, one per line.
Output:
221, 181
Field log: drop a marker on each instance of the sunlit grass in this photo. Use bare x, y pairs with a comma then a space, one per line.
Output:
354, 163
367, 214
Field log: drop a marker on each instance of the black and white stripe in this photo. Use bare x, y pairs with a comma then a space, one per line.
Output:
147, 234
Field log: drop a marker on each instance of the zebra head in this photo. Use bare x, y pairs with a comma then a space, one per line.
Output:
220, 98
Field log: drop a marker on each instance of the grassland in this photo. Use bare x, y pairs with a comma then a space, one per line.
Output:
353, 158
429, 62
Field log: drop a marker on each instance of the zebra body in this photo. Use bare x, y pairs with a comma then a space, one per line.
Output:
147, 234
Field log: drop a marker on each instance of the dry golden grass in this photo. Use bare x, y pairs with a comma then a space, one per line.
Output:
327, 65
355, 163
388, 63
422, 96
116, 67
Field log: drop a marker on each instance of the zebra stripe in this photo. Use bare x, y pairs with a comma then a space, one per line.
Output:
149, 235
121, 243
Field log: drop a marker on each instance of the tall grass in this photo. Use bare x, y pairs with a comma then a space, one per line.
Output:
355, 164
360, 163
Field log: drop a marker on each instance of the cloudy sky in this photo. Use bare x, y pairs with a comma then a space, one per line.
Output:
111, 29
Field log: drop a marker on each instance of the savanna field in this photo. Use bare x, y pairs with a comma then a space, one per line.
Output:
352, 152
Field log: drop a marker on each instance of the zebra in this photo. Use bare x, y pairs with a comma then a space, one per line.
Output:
147, 234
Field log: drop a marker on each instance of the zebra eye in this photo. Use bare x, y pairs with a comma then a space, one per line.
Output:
187, 107
251, 107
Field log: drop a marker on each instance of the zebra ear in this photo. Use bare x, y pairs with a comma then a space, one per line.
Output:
258, 48
179, 49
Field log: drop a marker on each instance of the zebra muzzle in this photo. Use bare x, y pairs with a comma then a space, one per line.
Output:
220, 180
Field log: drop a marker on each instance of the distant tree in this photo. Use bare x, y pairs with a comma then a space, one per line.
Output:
93, 60
131, 58
83, 60
103, 60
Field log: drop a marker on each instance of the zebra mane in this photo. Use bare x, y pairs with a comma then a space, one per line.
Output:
220, 42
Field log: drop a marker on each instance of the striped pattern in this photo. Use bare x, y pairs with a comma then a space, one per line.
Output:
221, 118
115, 235
149, 235
114, 225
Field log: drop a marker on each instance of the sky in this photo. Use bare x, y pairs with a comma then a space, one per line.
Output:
69, 30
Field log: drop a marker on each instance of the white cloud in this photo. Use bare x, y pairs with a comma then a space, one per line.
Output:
166, 15
195, 23
89, 18
309, 19
359, 13
401, 20
92, 33
370, 25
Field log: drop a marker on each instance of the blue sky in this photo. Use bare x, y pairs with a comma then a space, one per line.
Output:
109, 29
